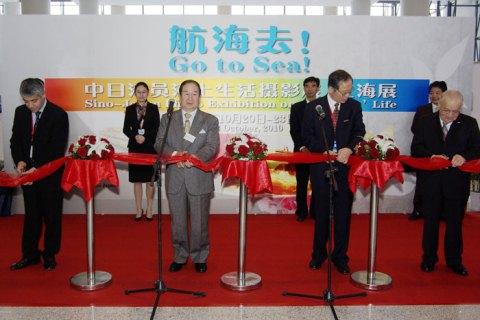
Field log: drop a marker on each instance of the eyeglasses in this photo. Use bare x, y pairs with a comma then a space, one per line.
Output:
344, 94
452, 112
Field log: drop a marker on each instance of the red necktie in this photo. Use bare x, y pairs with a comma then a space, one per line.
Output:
335, 116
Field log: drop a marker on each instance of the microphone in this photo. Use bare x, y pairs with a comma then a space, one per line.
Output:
320, 111
171, 103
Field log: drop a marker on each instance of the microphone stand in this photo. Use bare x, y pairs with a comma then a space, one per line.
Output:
328, 296
159, 286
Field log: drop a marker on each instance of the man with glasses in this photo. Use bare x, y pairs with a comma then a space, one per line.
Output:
453, 136
343, 123
39, 136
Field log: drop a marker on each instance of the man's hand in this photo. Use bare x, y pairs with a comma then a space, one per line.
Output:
21, 165
458, 160
303, 149
442, 156
343, 155
139, 138
32, 169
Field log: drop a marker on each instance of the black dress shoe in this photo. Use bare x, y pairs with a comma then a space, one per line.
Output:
24, 262
49, 263
343, 268
301, 218
427, 267
175, 266
315, 264
200, 267
459, 269
415, 215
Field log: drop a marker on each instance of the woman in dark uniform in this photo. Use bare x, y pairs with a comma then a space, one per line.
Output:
140, 126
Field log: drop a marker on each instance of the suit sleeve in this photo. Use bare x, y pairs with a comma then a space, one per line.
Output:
415, 121
154, 122
59, 136
295, 127
358, 129
310, 139
210, 148
419, 147
473, 149
16, 141
127, 125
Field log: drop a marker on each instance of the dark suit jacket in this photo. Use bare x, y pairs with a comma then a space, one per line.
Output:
296, 118
49, 141
463, 138
422, 111
150, 124
350, 128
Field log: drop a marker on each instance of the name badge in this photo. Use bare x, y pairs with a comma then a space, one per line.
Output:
141, 132
189, 137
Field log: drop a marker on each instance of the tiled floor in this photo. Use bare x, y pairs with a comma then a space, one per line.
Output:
443, 312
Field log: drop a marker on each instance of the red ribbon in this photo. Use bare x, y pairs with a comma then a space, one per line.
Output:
15, 180
364, 172
253, 173
87, 174
298, 157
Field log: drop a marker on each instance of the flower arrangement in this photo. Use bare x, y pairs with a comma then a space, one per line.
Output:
246, 147
91, 147
377, 148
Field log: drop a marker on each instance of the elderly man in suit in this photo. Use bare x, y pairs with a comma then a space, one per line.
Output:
435, 92
311, 85
450, 135
39, 136
344, 128
189, 189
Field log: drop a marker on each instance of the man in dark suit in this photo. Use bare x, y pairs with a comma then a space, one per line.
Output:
344, 128
453, 136
311, 86
39, 136
435, 92
189, 189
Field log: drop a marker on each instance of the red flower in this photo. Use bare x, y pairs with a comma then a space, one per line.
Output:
70, 149
392, 154
82, 152
243, 150
92, 139
372, 144
229, 149
375, 154
82, 141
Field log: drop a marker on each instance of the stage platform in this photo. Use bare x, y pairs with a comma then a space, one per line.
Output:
278, 249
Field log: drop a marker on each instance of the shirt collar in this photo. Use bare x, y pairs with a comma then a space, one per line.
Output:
193, 113
332, 102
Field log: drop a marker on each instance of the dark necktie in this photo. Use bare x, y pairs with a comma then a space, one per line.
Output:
335, 116
37, 119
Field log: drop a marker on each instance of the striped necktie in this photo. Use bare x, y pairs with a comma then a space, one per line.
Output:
444, 131
335, 116
187, 124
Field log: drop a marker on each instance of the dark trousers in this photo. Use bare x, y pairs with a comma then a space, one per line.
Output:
342, 204
417, 197
453, 209
43, 209
302, 174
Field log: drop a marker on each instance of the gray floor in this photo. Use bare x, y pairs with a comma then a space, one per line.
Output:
443, 312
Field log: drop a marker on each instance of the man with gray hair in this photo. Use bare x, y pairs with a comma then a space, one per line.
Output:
39, 136
453, 136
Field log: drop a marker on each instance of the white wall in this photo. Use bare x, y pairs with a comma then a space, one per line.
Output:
108, 47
